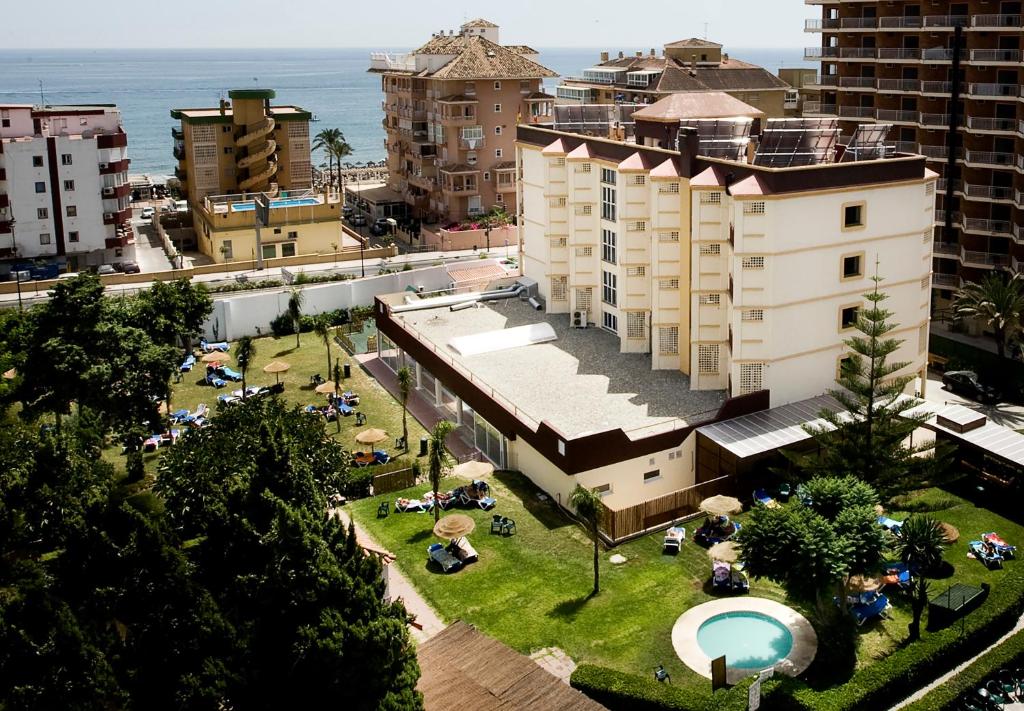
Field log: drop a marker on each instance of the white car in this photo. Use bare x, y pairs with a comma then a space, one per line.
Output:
147, 213
106, 269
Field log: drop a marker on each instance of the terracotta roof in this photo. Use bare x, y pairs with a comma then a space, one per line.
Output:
693, 42
521, 49
474, 57
734, 75
458, 99
464, 670
638, 162
696, 105
581, 151
458, 168
504, 165
666, 170
479, 22
538, 96
751, 185
707, 178
557, 147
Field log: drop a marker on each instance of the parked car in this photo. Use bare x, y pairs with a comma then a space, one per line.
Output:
380, 227
147, 213
106, 269
130, 268
357, 221
966, 383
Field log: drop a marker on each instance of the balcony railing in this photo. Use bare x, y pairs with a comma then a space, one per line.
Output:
903, 146
471, 144
897, 53
945, 21
857, 53
936, 87
818, 108
899, 23
988, 192
934, 119
857, 82
995, 55
985, 259
1018, 234
858, 23
991, 158
938, 54
949, 249
898, 116
913, 85
1001, 90
857, 111
991, 124
1003, 228
825, 80
949, 280
995, 21
934, 151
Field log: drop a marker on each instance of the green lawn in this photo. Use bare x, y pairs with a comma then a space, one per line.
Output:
531, 590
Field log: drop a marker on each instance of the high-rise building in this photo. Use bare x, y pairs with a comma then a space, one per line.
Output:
64, 191
242, 146
957, 102
450, 112
687, 66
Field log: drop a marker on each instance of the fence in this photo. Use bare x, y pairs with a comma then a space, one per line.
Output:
393, 481
638, 519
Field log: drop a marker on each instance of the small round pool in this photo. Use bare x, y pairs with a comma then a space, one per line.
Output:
749, 640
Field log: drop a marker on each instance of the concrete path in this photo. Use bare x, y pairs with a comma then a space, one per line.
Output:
555, 661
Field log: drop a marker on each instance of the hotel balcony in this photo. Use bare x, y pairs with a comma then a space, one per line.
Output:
937, 54
940, 88
946, 249
179, 152
425, 179
993, 91
857, 82
117, 218
995, 22
934, 119
900, 23
112, 140
995, 56
823, 81
985, 226
119, 191
898, 116
117, 166
949, 281
944, 22
905, 86
5, 227
1018, 234
858, 112
905, 146
1018, 197
989, 159
987, 193
503, 185
899, 54
177, 134
472, 144
984, 260
992, 125
816, 108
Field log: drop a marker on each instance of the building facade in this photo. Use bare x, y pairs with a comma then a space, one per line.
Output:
450, 112
691, 65
958, 104
242, 146
64, 191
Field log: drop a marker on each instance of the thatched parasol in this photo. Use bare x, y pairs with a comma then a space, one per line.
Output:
951, 532
727, 552
371, 436
277, 367
10, 374
863, 583
216, 357
454, 526
329, 387
721, 505
473, 469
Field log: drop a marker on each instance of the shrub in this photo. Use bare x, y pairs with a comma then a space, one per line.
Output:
282, 325
356, 483
619, 690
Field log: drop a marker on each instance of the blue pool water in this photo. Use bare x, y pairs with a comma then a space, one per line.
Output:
288, 202
749, 640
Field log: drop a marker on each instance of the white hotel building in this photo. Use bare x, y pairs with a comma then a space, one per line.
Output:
64, 191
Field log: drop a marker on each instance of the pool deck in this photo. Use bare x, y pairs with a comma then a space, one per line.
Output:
684, 635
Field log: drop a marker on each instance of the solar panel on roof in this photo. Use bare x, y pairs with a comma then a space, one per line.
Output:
868, 143
793, 142
721, 138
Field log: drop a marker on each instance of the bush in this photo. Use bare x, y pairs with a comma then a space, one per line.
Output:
619, 690
282, 324
882, 683
248, 285
356, 483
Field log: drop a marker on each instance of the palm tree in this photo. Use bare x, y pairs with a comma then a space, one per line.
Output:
245, 355
295, 301
323, 141
921, 544
340, 149
323, 329
998, 301
437, 459
588, 508
404, 388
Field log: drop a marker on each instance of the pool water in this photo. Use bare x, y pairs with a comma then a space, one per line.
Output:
285, 202
749, 640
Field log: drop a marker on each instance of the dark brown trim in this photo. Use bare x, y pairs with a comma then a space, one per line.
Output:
112, 140
582, 453
55, 188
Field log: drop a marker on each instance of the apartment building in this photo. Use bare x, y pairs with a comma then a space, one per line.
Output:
948, 75
64, 191
245, 145
690, 65
743, 276
450, 112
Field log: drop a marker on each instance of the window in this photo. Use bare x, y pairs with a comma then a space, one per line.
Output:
602, 490
583, 168
228, 150
668, 284
288, 249
37, 161
584, 209
636, 325
636, 271
499, 198
752, 263
848, 316
225, 249
65, 159
557, 201
853, 216
497, 108
672, 236
5, 123
277, 230
711, 198
710, 299
557, 242
487, 176
225, 129
44, 238
293, 234
69, 186
753, 208
559, 288
42, 213
652, 476
753, 315
497, 130
40, 187
852, 266
711, 250
609, 247
672, 188
560, 161
497, 153
610, 322
844, 366
72, 211
72, 236
608, 176
639, 180
609, 288
751, 377
584, 251
668, 340
637, 226
708, 358
608, 202
269, 251
497, 86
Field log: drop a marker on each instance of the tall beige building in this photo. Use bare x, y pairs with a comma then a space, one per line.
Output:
242, 146
450, 112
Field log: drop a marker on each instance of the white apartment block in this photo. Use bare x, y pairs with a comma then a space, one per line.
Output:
742, 277
64, 190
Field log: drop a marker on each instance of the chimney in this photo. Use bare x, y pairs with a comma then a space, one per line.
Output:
693, 65
653, 54
688, 146
604, 56
621, 55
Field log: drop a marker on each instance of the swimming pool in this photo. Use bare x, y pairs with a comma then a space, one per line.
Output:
284, 202
749, 640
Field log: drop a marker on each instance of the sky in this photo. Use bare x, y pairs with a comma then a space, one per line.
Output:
614, 24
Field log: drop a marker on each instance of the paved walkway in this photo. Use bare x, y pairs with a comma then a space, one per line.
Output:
555, 661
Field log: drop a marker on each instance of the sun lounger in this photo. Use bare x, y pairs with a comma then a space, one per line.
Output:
674, 538
151, 443
178, 416
896, 574
190, 361
715, 529
462, 549
344, 409
486, 503
740, 584
249, 391
208, 347
411, 506
437, 554
986, 553
761, 497
169, 438
227, 399
215, 380
229, 374
1002, 547
874, 606
380, 457
891, 525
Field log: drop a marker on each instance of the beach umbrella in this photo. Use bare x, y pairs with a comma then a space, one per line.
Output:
951, 532
277, 367
473, 469
727, 552
454, 526
863, 583
721, 505
216, 357
371, 436
10, 374
329, 387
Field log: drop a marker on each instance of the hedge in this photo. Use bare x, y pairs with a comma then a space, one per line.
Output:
1007, 655
885, 682
619, 690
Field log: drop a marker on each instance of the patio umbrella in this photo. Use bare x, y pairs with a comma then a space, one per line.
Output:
329, 387
721, 505
371, 436
454, 526
473, 469
216, 357
727, 552
951, 532
10, 374
863, 583
277, 367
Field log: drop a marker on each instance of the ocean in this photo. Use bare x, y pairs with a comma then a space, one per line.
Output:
331, 83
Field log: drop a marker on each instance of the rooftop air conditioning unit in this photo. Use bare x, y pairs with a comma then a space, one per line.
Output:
579, 319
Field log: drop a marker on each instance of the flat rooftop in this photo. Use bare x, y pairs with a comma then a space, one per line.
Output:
215, 112
580, 383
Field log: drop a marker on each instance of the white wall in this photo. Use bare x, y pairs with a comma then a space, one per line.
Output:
20, 117
86, 197
25, 201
